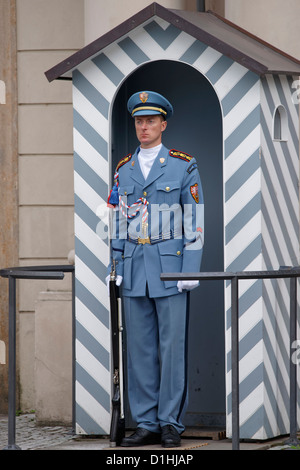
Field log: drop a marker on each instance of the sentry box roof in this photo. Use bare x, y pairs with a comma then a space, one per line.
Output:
213, 30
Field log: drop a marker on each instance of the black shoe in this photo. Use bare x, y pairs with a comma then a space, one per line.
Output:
170, 436
141, 437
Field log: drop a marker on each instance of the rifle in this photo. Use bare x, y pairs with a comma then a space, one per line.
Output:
117, 426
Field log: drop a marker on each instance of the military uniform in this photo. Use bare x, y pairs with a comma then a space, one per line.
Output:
159, 228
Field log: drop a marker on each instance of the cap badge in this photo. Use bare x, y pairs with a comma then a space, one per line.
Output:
144, 96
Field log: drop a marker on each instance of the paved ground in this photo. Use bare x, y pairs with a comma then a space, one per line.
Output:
29, 436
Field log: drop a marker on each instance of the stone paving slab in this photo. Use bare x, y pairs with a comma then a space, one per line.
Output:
29, 436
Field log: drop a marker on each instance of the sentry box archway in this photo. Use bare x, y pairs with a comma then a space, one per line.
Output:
236, 111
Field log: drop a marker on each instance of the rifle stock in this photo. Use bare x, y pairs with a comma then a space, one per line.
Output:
117, 427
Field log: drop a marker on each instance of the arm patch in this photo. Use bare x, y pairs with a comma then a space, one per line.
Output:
182, 155
192, 167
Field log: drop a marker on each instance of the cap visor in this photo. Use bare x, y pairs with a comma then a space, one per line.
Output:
146, 112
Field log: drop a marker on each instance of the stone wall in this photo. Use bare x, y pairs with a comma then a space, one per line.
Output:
47, 33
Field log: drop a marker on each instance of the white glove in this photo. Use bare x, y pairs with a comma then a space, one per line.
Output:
119, 280
186, 285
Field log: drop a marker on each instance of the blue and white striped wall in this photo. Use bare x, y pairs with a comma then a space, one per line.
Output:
262, 232
260, 219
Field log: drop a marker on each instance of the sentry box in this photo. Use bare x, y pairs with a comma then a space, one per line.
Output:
236, 110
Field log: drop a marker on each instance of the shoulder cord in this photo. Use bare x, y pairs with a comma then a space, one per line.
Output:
141, 202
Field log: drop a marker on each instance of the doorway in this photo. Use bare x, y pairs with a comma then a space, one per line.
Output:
195, 128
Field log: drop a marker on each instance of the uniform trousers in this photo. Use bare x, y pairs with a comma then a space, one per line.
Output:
157, 332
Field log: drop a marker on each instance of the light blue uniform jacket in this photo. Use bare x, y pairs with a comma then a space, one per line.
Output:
175, 223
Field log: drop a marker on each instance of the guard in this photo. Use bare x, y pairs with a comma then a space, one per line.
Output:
159, 227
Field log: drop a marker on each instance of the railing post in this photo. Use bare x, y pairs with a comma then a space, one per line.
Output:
12, 366
235, 363
73, 354
293, 440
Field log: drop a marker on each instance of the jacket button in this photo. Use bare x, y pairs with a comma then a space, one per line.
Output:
167, 188
145, 193
178, 253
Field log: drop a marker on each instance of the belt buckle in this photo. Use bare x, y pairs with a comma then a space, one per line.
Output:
142, 241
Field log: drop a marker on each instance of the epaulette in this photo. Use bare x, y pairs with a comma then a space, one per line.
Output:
123, 161
178, 154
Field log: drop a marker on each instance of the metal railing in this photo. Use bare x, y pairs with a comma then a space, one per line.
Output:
57, 272
29, 272
286, 272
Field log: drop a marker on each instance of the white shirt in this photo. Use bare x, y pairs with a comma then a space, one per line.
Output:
147, 157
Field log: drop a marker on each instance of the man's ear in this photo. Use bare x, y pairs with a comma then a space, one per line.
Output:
163, 126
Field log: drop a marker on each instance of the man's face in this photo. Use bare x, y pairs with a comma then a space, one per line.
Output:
149, 130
